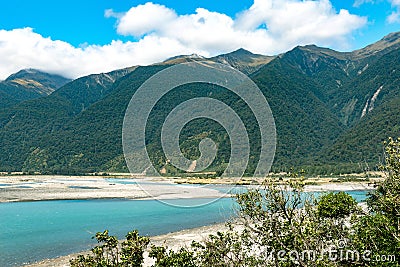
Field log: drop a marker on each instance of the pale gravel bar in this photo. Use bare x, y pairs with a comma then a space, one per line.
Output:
42, 187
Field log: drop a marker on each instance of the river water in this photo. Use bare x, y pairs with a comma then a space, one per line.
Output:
32, 231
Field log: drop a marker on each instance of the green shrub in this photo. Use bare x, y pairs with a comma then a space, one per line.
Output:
336, 205
283, 218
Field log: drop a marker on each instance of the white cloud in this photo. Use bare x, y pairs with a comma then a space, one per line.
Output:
394, 17
301, 22
358, 3
23, 48
288, 23
143, 19
267, 27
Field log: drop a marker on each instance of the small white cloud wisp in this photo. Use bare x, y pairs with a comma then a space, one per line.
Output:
267, 27
394, 17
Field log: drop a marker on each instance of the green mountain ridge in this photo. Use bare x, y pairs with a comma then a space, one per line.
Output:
375, 116
36, 122
28, 84
332, 110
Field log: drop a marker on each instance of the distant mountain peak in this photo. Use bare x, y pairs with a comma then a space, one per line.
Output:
36, 80
388, 43
183, 58
392, 37
30, 70
242, 51
320, 50
243, 60
22, 72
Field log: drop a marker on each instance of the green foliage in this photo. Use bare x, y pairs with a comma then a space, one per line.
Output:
28, 84
225, 249
304, 123
379, 230
282, 220
376, 234
74, 143
386, 198
182, 258
362, 142
112, 254
316, 95
284, 226
336, 205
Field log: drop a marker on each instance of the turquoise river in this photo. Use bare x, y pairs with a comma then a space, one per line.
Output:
32, 231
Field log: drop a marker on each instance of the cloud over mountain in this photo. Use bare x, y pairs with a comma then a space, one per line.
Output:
267, 27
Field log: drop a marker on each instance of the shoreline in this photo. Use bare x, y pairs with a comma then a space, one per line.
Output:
173, 240
47, 187
41, 188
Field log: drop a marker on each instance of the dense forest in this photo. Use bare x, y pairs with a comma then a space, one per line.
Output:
332, 111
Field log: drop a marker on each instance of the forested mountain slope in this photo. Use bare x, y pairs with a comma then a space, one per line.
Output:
330, 108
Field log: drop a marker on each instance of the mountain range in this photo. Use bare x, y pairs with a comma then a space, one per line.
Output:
28, 84
332, 110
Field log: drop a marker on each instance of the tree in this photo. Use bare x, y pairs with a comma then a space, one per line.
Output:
379, 231
169, 258
336, 205
282, 225
111, 253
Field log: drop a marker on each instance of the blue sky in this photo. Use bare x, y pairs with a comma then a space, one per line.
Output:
78, 37
83, 21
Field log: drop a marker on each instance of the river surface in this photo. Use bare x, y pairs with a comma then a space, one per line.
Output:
32, 231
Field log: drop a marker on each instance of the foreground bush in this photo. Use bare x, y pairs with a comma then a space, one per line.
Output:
379, 230
284, 226
111, 253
